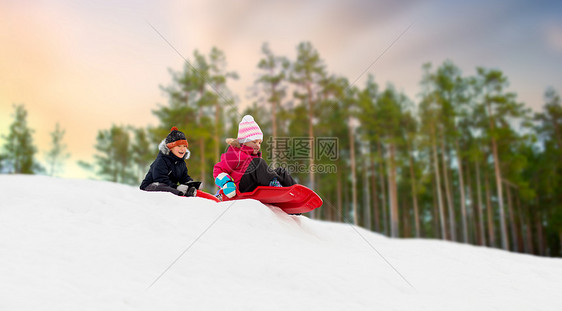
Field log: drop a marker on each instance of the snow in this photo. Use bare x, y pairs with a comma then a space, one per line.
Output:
92, 245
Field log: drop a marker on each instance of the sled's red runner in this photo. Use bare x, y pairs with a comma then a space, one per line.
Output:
205, 195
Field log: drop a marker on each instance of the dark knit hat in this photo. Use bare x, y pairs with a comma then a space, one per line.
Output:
175, 138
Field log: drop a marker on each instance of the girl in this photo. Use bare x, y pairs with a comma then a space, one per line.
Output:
242, 167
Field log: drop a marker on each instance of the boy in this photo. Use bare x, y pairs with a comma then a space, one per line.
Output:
243, 167
169, 172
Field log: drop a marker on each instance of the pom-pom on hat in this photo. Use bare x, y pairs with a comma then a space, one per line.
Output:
249, 130
175, 138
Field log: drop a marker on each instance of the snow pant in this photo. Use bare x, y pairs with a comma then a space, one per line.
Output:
155, 186
259, 173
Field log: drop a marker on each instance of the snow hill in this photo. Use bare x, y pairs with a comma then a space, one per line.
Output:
91, 245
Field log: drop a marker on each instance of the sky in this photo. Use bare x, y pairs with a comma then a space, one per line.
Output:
90, 64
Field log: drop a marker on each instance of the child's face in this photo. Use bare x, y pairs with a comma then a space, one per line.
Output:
179, 151
255, 144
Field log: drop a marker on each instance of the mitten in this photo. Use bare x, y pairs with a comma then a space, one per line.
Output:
182, 188
222, 179
225, 182
229, 189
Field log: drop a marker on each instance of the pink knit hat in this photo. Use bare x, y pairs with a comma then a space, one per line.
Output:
249, 130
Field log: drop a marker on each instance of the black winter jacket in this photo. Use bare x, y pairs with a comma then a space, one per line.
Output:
167, 169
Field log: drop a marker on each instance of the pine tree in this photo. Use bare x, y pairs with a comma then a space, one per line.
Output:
57, 154
499, 109
197, 101
2, 159
446, 88
350, 100
221, 98
546, 170
337, 96
429, 116
332, 123
474, 156
274, 73
307, 74
19, 149
550, 121
143, 152
368, 120
115, 158
410, 126
390, 106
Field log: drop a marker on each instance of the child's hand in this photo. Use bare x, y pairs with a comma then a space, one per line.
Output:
229, 189
182, 188
224, 181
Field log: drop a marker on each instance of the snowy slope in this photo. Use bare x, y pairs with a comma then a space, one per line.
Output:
90, 245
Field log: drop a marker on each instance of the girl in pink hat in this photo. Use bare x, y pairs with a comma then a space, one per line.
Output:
242, 167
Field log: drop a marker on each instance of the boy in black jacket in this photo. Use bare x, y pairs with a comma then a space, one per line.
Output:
169, 172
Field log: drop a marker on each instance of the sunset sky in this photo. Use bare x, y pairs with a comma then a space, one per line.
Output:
91, 64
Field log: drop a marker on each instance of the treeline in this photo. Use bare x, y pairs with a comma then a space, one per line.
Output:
466, 161
18, 153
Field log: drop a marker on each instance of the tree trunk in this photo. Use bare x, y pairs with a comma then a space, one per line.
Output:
414, 191
201, 140
471, 209
217, 134
560, 240
540, 236
393, 191
353, 175
403, 210
448, 195
367, 221
383, 191
463, 198
491, 229
274, 105
511, 216
529, 235
346, 200
525, 232
311, 136
523, 247
328, 211
481, 227
503, 227
202, 159
374, 193
438, 186
435, 212
339, 197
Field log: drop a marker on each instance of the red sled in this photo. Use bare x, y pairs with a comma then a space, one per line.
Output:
208, 196
296, 199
